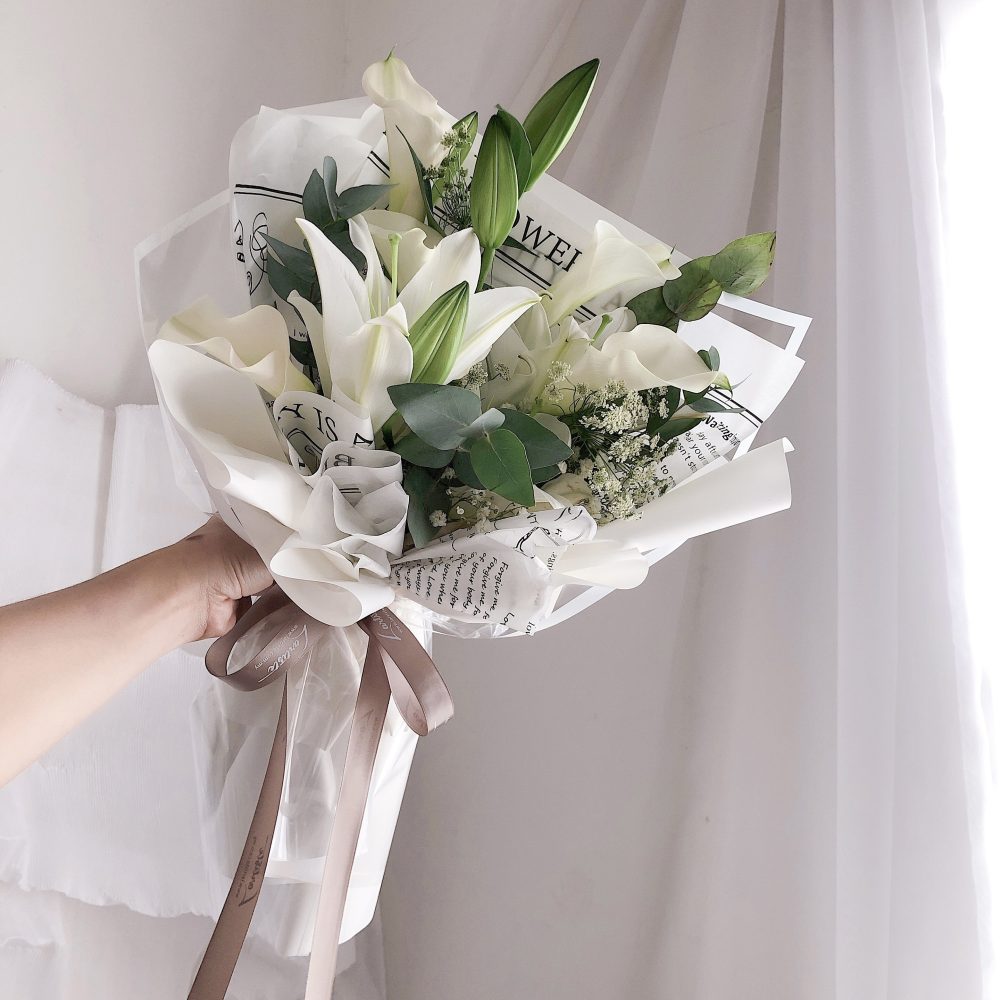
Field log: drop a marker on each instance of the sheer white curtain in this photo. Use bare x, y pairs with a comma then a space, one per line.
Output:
782, 800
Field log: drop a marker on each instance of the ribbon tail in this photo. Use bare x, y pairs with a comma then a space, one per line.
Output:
216, 969
362, 747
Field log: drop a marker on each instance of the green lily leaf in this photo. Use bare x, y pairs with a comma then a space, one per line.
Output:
695, 293
500, 462
552, 121
668, 429
426, 193
436, 337
489, 421
416, 451
542, 447
649, 307
437, 413
707, 405
494, 191
519, 146
426, 495
742, 266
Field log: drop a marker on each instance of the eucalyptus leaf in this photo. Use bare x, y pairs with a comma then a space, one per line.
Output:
695, 293
542, 476
437, 413
494, 190
519, 146
416, 451
462, 465
315, 206
710, 358
553, 120
742, 266
649, 307
489, 421
330, 182
500, 462
359, 199
542, 447
426, 495
297, 261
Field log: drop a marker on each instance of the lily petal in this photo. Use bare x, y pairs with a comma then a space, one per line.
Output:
375, 280
490, 314
415, 243
454, 260
373, 358
345, 298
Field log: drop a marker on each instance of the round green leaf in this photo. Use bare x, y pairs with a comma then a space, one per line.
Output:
500, 462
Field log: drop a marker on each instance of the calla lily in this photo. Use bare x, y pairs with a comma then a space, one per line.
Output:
409, 111
611, 263
643, 358
254, 343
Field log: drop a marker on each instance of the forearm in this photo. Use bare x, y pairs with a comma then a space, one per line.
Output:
64, 654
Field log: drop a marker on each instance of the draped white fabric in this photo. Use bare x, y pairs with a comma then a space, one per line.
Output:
753, 777
756, 776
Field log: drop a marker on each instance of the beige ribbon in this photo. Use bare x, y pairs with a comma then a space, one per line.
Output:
396, 666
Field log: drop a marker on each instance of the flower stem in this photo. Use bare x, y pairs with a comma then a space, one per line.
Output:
485, 267
393, 266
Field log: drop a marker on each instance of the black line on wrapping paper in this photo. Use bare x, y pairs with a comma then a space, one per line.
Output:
270, 190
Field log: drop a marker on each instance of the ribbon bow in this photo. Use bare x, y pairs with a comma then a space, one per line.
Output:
396, 666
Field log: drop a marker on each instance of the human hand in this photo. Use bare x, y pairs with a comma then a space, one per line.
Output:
217, 570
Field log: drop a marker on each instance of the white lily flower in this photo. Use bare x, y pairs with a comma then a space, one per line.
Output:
254, 343
384, 350
611, 263
409, 111
416, 240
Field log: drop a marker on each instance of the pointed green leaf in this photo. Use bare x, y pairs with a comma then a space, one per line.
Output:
742, 266
542, 447
551, 122
695, 293
706, 405
437, 413
519, 146
500, 462
669, 429
493, 193
425, 188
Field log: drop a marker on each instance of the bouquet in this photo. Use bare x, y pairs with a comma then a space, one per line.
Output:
464, 399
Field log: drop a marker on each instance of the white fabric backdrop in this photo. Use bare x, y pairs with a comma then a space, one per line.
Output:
754, 777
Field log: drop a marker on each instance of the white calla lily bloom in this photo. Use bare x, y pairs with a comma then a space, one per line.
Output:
610, 263
254, 343
409, 111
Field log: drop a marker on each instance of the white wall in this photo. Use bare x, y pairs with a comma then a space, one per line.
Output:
115, 118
